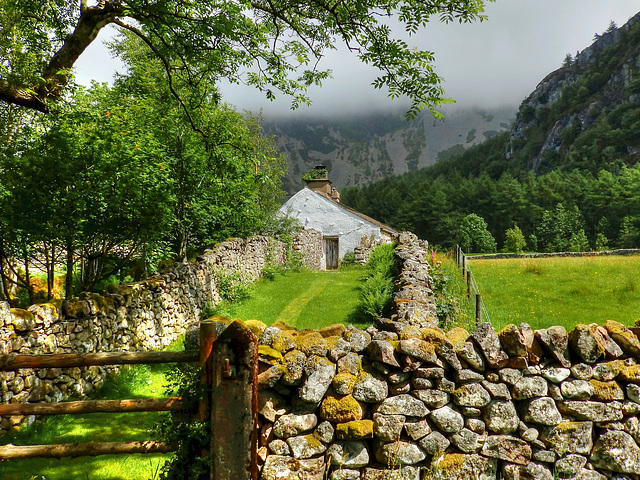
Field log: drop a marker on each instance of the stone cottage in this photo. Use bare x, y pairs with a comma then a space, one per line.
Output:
318, 206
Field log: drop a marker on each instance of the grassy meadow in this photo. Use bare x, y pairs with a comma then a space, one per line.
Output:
305, 299
560, 291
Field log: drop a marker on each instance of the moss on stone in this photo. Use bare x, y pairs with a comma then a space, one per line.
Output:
355, 430
344, 382
270, 353
311, 343
458, 337
332, 341
283, 326
410, 332
630, 373
283, 342
606, 391
435, 336
332, 330
256, 326
21, 313
341, 409
220, 319
449, 461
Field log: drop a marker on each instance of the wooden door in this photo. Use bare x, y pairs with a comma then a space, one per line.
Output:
331, 253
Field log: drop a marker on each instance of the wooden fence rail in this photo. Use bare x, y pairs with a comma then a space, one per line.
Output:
229, 372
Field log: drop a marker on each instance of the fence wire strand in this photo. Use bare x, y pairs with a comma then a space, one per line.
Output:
475, 290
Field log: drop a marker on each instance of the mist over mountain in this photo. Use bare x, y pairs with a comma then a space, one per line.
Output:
361, 149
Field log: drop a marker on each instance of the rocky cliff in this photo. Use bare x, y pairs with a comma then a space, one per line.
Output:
360, 150
590, 102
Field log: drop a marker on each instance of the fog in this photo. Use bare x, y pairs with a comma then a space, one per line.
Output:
495, 63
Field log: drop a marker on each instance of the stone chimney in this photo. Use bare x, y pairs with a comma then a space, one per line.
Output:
323, 186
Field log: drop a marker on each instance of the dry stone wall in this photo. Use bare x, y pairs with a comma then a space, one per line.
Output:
405, 400
135, 317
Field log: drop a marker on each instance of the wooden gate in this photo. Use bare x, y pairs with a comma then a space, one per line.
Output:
331, 250
230, 370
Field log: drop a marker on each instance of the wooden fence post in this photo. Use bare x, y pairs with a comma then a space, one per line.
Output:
464, 266
234, 405
469, 285
207, 338
478, 308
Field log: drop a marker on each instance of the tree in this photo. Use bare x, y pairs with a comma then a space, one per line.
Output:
560, 228
514, 240
474, 237
272, 45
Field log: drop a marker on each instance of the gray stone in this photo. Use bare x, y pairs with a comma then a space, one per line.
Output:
582, 371
435, 373
370, 389
603, 372
577, 390
447, 419
584, 343
510, 375
279, 447
470, 354
546, 456
501, 417
475, 425
278, 467
434, 443
345, 474
555, 392
350, 363
399, 453
292, 425
471, 395
531, 471
486, 338
455, 467
417, 429
570, 465
445, 385
542, 411
530, 434
471, 412
466, 375
341, 348
359, 339
348, 454
513, 342
616, 451
382, 351
404, 472
529, 387
497, 390
467, 441
556, 341
555, 374
388, 428
569, 437
586, 474
592, 411
507, 448
398, 377
325, 432
399, 388
432, 398
421, 383
402, 405
419, 349
319, 375
633, 392
306, 446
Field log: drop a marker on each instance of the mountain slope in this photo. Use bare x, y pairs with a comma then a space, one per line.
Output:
361, 149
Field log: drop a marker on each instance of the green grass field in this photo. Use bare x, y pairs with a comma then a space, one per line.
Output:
305, 299
560, 291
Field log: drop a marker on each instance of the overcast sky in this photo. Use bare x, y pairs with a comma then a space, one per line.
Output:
494, 63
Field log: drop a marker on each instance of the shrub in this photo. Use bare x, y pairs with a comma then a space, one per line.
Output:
473, 235
377, 284
514, 240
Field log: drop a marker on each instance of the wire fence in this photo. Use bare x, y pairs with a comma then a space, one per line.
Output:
473, 292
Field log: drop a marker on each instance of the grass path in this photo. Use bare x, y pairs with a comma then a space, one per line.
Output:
295, 307
560, 291
305, 299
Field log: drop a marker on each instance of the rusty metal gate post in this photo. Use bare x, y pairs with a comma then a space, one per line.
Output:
234, 405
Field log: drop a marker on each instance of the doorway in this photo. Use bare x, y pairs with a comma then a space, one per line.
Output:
331, 251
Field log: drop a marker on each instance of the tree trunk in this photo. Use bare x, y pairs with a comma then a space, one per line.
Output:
68, 282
